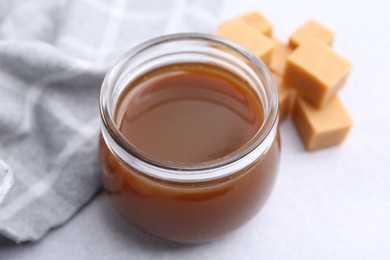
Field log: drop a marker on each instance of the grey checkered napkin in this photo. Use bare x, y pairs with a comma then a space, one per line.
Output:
53, 57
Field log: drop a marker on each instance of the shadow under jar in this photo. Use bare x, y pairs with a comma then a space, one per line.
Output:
190, 147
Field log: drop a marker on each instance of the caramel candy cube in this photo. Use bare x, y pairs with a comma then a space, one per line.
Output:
286, 97
279, 57
324, 127
258, 22
316, 72
311, 29
242, 33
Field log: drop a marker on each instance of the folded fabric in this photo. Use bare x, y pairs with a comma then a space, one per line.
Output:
6, 179
53, 58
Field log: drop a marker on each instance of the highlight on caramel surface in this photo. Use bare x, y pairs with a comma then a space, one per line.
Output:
189, 113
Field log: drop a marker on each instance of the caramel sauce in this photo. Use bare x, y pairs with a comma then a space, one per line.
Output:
189, 113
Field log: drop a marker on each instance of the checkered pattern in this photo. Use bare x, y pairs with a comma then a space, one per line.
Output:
53, 57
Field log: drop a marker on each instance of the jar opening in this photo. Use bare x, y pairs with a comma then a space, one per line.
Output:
179, 49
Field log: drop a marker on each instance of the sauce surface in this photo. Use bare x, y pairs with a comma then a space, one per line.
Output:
188, 113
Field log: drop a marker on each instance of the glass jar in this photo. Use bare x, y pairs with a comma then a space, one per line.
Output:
199, 201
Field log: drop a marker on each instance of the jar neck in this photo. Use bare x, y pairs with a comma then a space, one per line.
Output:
181, 48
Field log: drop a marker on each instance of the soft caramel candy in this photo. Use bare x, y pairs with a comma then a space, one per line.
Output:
242, 33
258, 22
311, 29
316, 72
279, 57
286, 97
307, 72
324, 127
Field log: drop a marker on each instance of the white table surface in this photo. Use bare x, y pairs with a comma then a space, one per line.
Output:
330, 204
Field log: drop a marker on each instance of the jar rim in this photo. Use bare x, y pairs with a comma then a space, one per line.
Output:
190, 172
